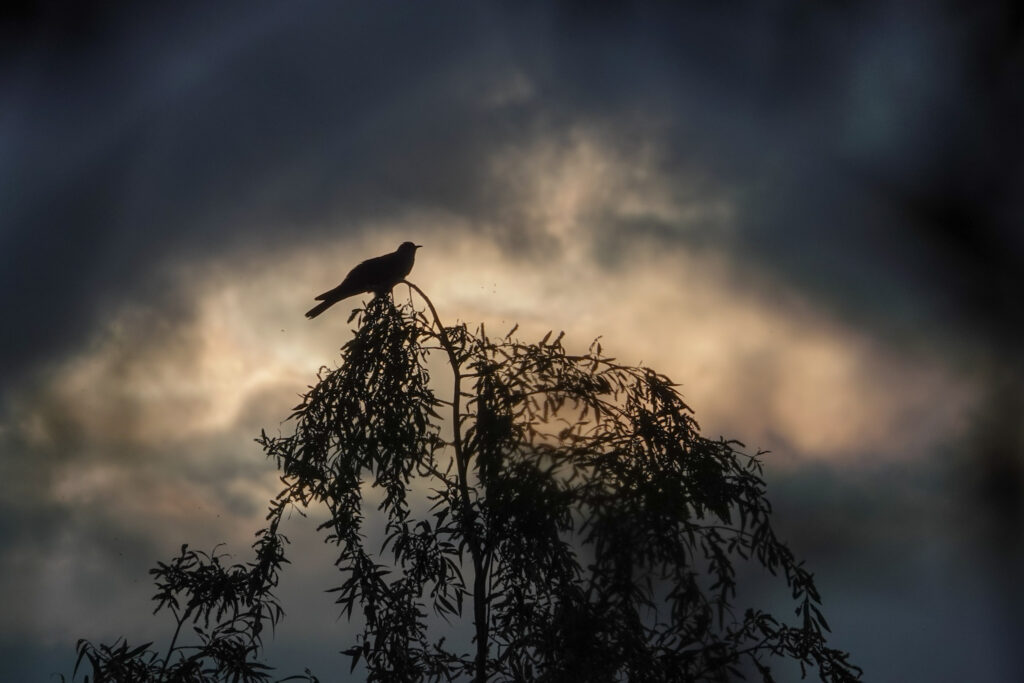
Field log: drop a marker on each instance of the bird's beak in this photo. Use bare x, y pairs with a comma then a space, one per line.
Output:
418, 246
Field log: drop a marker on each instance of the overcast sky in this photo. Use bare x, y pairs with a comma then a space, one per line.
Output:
807, 214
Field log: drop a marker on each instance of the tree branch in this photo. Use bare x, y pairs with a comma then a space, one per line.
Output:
476, 546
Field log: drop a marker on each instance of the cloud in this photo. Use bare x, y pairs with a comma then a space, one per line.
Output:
211, 131
806, 217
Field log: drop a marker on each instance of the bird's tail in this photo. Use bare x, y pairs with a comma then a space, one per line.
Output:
319, 308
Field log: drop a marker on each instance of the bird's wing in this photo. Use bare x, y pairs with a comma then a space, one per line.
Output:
360, 279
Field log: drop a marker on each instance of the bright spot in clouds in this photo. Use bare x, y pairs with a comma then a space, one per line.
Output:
755, 359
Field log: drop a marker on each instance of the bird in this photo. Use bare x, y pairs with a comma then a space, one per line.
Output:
377, 275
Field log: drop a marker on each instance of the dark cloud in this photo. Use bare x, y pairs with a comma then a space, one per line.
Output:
250, 132
902, 540
149, 136
850, 138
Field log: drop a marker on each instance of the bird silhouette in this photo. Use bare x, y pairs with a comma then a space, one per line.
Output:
377, 275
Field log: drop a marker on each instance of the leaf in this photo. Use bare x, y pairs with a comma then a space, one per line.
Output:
355, 653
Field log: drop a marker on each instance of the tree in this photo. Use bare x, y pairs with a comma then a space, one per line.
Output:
568, 501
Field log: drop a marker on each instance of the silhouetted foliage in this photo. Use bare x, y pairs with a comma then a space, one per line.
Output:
568, 501
227, 607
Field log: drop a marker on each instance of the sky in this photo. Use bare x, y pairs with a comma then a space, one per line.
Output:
807, 214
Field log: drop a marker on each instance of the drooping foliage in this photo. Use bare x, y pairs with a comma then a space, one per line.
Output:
566, 506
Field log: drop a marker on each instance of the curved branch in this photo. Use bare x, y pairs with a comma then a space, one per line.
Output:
476, 546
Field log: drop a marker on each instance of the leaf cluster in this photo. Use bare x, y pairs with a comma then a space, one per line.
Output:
227, 607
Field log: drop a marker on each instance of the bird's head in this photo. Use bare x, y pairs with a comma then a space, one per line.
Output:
408, 247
